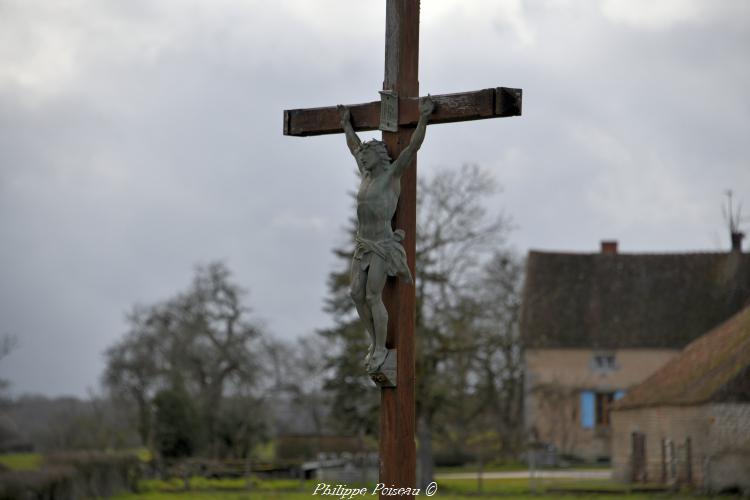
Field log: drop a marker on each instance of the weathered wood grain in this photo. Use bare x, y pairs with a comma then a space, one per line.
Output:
398, 454
449, 108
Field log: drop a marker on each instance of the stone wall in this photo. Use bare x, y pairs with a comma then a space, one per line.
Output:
669, 458
706, 446
728, 455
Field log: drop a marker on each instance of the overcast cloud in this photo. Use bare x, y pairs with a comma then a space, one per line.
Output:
138, 138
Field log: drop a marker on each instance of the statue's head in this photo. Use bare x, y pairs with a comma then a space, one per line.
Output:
372, 153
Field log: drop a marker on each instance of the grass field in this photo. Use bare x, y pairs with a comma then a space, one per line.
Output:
300, 495
308, 495
448, 489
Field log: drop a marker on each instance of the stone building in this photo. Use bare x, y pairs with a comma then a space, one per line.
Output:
594, 325
689, 422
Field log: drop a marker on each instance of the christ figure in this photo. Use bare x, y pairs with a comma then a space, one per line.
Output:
379, 252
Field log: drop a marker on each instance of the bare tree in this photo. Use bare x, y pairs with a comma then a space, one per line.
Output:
7, 344
303, 379
560, 401
134, 367
499, 360
200, 341
217, 343
456, 237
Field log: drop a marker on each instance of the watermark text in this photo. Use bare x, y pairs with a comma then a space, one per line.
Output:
346, 492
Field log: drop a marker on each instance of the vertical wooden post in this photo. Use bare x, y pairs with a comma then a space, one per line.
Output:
397, 409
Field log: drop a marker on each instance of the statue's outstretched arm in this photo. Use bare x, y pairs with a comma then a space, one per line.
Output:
352, 140
426, 107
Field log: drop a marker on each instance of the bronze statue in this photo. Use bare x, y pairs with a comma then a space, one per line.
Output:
379, 252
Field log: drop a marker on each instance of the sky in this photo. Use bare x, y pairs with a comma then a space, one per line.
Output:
140, 138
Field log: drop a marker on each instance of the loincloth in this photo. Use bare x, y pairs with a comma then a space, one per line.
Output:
390, 250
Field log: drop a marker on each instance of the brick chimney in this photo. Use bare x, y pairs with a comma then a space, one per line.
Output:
737, 237
609, 247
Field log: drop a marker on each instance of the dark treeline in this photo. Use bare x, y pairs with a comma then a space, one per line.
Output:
64, 423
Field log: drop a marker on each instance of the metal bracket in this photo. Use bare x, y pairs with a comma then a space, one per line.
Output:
385, 376
388, 111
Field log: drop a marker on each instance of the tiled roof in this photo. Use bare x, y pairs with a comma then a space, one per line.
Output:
715, 368
611, 301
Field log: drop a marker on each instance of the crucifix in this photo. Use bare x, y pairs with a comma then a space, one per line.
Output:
399, 113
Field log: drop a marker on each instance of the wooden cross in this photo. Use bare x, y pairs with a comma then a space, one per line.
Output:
397, 411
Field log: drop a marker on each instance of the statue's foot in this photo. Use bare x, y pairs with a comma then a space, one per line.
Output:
377, 359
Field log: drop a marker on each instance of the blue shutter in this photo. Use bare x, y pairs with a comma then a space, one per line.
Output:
588, 409
619, 395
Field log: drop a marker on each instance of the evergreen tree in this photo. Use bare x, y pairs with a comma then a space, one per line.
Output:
354, 401
175, 424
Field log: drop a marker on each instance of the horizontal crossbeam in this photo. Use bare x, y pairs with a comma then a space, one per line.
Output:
476, 105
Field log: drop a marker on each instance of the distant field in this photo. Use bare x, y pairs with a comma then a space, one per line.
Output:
487, 468
21, 461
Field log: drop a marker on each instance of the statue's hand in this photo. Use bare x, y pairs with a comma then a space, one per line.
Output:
344, 113
426, 106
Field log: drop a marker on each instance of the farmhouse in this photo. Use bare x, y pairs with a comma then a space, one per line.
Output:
689, 422
595, 325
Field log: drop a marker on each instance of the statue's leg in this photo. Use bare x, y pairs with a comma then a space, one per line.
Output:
358, 295
376, 278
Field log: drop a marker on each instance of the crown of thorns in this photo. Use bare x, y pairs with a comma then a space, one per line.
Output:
379, 146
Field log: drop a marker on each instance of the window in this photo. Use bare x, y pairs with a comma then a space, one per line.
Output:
596, 406
604, 362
